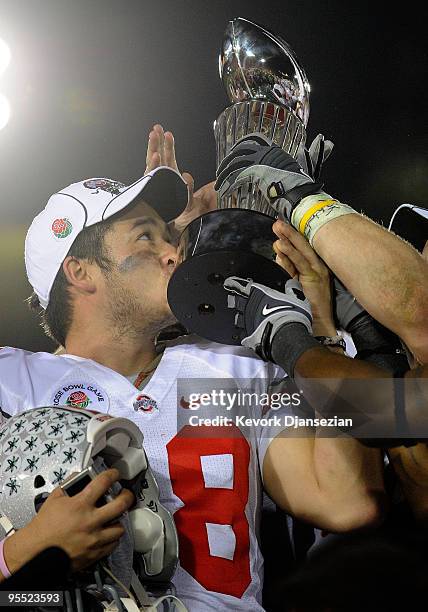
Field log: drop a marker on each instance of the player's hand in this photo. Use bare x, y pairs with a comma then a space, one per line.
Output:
86, 533
262, 311
279, 177
297, 257
161, 152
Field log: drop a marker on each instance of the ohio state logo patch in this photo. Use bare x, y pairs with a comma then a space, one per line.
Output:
62, 228
144, 403
81, 395
113, 187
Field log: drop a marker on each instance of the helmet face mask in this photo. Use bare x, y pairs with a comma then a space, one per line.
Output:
77, 482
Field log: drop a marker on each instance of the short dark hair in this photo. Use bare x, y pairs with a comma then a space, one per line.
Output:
57, 317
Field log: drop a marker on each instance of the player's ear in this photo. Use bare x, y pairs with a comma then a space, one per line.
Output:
425, 251
80, 274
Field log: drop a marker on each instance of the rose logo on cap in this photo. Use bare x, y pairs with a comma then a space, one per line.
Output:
62, 228
78, 399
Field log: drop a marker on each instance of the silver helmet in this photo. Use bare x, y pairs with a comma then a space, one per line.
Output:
42, 447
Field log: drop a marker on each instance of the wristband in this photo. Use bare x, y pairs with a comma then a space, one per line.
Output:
335, 341
314, 211
3, 567
289, 343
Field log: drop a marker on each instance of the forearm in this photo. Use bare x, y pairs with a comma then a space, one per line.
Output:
342, 479
411, 467
319, 362
359, 390
334, 484
411, 463
350, 481
385, 274
349, 476
19, 548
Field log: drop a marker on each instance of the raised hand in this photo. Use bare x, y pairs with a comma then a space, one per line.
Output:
161, 152
297, 257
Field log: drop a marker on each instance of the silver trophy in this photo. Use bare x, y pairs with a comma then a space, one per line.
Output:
270, 95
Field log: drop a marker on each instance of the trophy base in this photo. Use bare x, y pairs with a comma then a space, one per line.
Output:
216, 249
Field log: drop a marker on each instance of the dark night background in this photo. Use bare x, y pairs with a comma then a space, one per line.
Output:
89, 78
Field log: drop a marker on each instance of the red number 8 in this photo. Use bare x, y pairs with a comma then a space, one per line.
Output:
211, 505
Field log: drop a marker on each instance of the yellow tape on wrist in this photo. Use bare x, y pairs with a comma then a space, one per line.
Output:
310, 213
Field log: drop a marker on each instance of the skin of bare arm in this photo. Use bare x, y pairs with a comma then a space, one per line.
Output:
334, 483
386, 275
410, 463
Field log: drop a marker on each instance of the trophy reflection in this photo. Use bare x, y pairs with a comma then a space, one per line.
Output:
269, 94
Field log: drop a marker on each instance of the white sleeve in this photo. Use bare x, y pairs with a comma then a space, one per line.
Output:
15, 381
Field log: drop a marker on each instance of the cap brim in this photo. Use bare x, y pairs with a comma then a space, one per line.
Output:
163, 189
411, 223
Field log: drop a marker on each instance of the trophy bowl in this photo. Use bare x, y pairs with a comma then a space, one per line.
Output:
255, 64
269, 93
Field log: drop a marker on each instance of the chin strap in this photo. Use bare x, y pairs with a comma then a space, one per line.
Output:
172, 600
145, 603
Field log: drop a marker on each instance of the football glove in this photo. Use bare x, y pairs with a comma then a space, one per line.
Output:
279, 176
262, 311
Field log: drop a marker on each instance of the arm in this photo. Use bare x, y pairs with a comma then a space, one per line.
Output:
411, 464
334, 483
74, 524
385, 274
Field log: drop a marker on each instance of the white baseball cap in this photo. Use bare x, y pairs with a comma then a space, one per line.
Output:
411, 223
80, 205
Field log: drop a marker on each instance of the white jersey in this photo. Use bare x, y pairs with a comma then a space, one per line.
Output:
211, 483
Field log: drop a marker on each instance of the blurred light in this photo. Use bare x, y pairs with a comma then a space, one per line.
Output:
4, 56
4, 111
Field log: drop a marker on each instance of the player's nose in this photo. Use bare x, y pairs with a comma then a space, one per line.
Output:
168, 255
